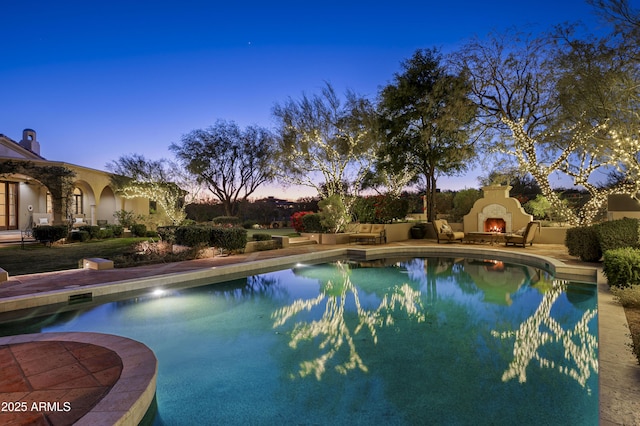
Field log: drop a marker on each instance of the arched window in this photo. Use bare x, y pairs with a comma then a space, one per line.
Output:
77, 207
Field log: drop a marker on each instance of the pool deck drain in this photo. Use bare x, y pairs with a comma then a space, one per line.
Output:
619, 373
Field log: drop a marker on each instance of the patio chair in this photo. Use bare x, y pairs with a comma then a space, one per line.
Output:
524, 236
444, 231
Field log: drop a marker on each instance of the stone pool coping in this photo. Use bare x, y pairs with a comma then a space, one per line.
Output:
231, 271
128, 400
619, 373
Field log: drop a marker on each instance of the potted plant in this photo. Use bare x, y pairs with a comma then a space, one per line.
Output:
418, 231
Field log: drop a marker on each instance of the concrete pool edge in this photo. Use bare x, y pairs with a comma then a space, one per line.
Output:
131, 396
252, 267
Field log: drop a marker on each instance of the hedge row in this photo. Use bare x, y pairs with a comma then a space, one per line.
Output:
590, 242
52, 233
225, 239
618, 240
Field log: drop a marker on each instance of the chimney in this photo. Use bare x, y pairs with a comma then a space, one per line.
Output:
29, 141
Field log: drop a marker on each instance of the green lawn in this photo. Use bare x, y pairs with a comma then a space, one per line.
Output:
35, 258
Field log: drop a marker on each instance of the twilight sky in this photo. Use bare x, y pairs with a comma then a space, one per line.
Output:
101, 79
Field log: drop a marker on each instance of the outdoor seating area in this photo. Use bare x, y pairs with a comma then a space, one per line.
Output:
371, 233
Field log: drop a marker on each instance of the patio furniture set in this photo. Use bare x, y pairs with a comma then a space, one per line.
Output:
522, 237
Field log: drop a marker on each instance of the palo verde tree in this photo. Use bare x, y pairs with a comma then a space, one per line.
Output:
230, 162
561, 106
424, 122
326, 136
136, 176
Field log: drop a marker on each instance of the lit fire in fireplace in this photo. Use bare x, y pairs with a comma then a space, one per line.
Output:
495, 225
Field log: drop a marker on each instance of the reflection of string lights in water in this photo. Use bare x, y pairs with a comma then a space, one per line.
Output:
335, 336
580, 346
332, 324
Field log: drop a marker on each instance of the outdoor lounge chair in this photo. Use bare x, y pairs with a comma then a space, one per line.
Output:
367, 232
445, 233
524, 236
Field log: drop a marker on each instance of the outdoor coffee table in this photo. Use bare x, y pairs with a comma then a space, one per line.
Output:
483, 237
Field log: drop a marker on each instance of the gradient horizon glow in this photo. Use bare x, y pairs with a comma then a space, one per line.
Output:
98, 80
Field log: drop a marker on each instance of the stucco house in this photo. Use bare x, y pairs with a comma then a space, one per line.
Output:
26, 200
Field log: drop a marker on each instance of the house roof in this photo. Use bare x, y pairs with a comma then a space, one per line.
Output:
12, 149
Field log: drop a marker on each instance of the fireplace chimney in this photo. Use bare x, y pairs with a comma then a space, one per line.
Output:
29, 141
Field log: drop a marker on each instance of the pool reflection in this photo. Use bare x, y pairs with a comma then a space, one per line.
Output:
332, 328
411, 290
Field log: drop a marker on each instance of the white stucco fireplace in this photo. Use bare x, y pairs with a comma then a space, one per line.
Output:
496, 212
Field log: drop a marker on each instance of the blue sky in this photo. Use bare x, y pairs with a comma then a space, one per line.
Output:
97, 80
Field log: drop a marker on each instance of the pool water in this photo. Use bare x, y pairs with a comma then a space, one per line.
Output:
399, 341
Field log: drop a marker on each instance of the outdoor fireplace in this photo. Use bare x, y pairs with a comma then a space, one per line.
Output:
495, 224
496, 212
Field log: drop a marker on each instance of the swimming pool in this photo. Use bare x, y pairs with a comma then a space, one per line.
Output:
403, 341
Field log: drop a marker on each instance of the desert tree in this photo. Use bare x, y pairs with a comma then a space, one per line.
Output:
550, 102
135, 176
325, 142
228, 161
424, 117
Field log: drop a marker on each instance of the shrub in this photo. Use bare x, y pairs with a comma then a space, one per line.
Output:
388, 208
138, 230
296, 220
167, 234
50, 233
618, 234
379, 209
227, 221
192, 236
261, 237
105, 233
463, 203
539, 207
126, 218
622, 267
117, 230
629, 297
333, 214
311, 223
228, 239
249, 224
93, 231
582, 241
80, 236
363, 210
